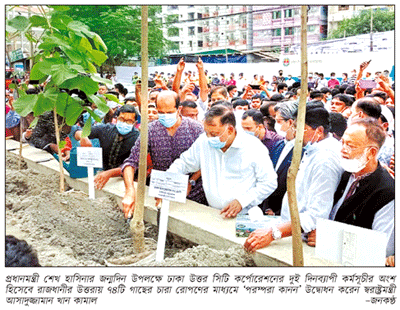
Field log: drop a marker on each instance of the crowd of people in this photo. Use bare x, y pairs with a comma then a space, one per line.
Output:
235, 140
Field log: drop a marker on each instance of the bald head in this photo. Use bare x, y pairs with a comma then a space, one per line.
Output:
169, 98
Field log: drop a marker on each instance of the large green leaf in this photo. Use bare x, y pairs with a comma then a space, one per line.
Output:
73, 55
24, 104
61, 73
19, 22
101, 80
96, 99
61, 103
99, 102
78, 68
36, 72
98, 57
112, 97
60, 21
79, 28
83, 83
44, 67
85, 44
87, 128
73, 111
42, 105
38, 21
93, 115
99, 43
91, 67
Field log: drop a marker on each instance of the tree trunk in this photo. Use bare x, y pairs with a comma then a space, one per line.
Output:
137, 225
294, 167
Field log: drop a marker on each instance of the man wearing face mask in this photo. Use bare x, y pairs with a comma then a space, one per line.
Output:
317, 179
168, 138
116, 141
365, 195
236, 170
253, 124
281, 155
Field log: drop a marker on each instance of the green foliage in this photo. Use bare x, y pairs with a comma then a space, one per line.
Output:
68, 55
361, 24
120, 28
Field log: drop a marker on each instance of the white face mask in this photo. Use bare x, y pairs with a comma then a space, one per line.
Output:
354, 165
279, 131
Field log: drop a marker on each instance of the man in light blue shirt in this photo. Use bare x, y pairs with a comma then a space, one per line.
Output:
317, 179
235, 167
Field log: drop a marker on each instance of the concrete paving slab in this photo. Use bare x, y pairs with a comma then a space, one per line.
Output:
12, 144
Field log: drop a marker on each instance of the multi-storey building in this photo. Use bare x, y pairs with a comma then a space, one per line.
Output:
243, 28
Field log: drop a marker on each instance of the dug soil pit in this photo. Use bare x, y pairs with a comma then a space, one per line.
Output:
69, 229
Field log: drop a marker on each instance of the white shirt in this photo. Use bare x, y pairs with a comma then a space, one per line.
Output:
383, 219
243, 172
322, 83
241, 83
316, 182
202, 108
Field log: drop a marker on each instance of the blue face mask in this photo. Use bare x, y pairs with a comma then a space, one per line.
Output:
99, 113
251, 133
310, 145
168, 120
215, 142
123, 128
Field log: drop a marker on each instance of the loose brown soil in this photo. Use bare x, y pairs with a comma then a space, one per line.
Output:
69, 229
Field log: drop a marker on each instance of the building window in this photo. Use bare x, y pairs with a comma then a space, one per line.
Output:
276, 14
343, 7
288, 13
276, 32
289, 31
191, 31
312, 28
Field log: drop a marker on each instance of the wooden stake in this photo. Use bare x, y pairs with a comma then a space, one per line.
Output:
298, 146
137, 224
62, 185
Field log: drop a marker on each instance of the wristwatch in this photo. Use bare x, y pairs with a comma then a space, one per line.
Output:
276, 233
192, 182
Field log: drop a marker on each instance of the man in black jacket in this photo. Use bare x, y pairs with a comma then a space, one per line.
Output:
116, 140
365, 195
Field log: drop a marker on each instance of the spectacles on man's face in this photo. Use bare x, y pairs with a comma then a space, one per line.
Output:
349, 148
128, 121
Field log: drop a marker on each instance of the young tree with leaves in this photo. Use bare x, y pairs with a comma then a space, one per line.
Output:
67, 56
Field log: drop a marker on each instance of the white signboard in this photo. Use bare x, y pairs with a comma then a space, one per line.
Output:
89, 157
350, 245
168, 186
